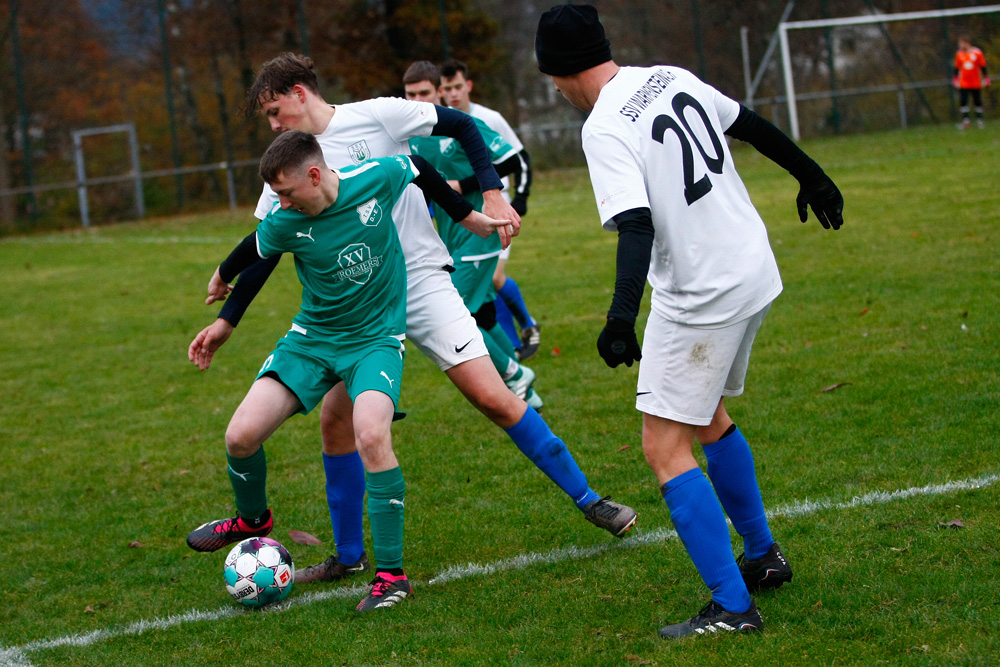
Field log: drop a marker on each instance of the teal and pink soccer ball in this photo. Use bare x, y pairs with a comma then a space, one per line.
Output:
258, 572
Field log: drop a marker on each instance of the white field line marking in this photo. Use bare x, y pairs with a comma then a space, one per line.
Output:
16, 656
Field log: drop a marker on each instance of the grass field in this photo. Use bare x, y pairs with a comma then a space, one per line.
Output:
113, 448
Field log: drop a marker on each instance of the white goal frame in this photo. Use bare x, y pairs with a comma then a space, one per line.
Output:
786, 59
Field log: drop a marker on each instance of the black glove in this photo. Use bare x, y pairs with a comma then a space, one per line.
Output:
617, 343
825, 199
520, 204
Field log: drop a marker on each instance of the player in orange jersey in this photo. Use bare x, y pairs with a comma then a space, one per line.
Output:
970, 78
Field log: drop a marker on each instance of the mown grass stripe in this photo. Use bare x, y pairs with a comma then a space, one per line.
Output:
16, 656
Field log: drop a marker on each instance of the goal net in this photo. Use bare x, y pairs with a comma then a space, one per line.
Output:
874, 71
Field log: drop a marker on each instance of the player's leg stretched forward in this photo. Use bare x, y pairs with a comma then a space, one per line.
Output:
533, 437
266, 406
484, 389
518, 378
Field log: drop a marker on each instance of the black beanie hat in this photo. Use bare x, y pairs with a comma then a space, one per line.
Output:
570, 39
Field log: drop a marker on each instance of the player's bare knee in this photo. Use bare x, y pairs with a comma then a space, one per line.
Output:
241, 441
500, 406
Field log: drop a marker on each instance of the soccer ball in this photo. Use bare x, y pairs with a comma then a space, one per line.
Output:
259, 571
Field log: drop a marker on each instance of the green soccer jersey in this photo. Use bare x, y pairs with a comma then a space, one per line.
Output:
448, 157
348, 257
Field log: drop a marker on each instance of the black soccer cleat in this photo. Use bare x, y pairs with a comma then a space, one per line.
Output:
332, 570
613, 517
214, 535
531, 338
713, 618
769, 571
384, 593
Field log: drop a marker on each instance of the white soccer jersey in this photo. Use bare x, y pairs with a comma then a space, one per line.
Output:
655, 140
499, 124
380, 128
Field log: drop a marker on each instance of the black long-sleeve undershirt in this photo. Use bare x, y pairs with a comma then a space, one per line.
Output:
635, 245
773, 144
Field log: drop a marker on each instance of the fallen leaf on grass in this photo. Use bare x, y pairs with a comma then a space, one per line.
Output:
864, 311
88, 610
954, 523
637, 660
623, 448
135, 545
556, 352
834, 386
302, 537
817, 605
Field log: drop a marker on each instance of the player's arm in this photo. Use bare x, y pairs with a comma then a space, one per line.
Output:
461, 126
211, 338
509, 167
617, 343
455, 205
241, 258
816, 189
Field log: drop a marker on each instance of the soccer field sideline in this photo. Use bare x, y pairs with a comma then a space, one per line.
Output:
18, 656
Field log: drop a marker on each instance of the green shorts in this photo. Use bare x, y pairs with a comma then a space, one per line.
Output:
474, 282
310, 366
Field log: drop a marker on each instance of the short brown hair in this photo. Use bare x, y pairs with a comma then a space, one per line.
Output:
277, 77
422, 70
292, 150
450, 68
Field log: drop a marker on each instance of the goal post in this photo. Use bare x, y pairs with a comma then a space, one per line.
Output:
786, 59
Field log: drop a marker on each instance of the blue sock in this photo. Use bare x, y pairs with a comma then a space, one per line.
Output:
345, 493
702, 528
537, 441
730, 467
511, 294
506, 322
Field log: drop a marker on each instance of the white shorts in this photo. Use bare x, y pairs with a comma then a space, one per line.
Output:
437, 320
685, 370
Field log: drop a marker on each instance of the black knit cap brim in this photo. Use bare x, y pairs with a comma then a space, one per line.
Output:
569, 40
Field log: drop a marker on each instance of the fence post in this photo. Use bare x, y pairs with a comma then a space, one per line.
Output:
81, 179
902, 108
140, 201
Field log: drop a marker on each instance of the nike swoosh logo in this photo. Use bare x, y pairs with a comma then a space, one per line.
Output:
458, 349
642, 393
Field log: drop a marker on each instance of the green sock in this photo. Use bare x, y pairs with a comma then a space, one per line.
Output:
503, 359
249, 480
386, 493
